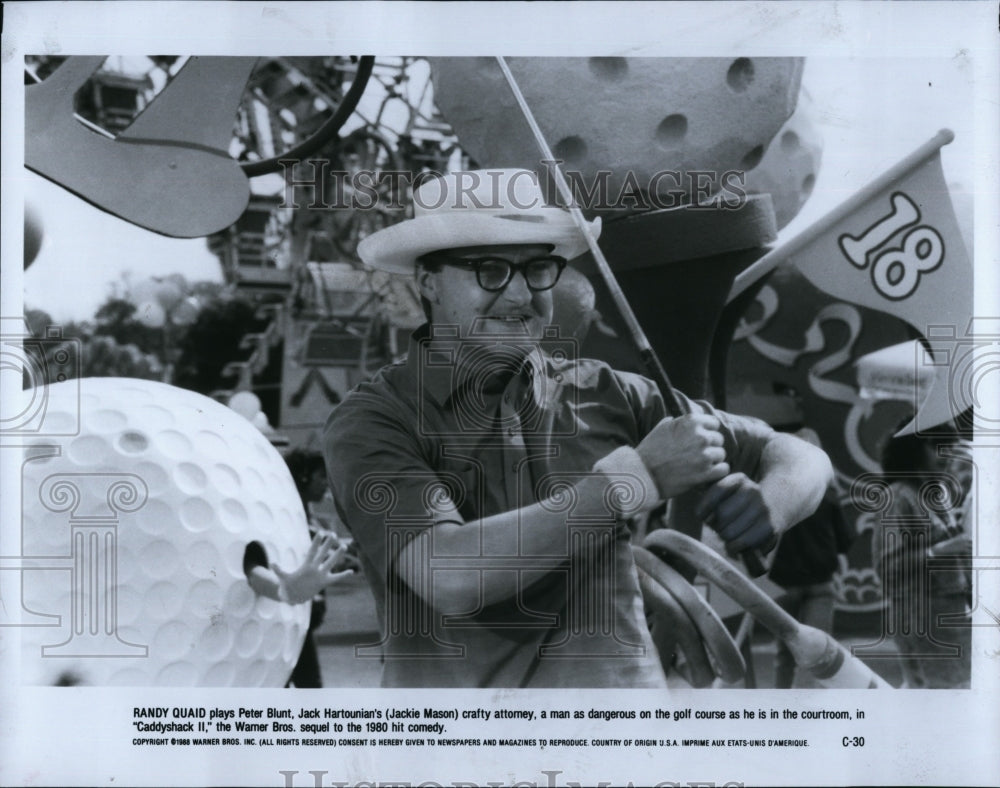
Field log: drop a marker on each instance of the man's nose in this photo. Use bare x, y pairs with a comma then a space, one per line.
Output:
517, 290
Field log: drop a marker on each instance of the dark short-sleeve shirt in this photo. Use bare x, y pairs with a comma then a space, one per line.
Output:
807, 552
426, 442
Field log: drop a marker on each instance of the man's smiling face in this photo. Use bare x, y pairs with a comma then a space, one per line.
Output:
457, 299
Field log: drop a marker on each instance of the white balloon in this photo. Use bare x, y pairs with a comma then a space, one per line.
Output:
178, 279
150, 314
260, 422
246, 403
169, 294
33, 232
186, 312
142, 291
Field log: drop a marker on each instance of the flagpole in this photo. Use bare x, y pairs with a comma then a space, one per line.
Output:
777, 256
646, 353
751, 557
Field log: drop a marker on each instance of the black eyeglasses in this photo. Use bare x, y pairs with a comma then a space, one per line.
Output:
495, 273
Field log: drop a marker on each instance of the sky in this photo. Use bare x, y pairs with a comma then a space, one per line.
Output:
85, 252
870, 113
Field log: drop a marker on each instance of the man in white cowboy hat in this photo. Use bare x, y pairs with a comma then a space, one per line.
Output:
489, 479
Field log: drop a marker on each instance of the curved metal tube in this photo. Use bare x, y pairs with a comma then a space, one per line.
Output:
324, 133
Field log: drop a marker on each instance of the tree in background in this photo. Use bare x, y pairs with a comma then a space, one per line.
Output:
120, 342
215, 339
101, 354
116, 319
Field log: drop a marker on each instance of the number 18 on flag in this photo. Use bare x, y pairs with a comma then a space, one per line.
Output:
896, 270
895, 246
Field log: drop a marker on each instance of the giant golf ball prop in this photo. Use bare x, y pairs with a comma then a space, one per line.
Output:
141, 520
634, 116
790, 165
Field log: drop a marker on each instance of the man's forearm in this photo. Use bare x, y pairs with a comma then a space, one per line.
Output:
535, 531
794, 476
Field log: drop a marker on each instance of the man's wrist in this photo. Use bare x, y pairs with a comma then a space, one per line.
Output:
625, 466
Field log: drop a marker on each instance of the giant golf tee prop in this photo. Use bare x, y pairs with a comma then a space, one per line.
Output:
137, 526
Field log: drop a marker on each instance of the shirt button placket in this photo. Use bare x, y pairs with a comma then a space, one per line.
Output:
513, 448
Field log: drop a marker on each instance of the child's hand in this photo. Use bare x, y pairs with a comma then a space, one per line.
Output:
316, 572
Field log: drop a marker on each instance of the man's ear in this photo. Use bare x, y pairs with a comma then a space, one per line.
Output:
427, 283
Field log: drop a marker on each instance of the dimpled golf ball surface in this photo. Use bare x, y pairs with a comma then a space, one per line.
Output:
637, 117
144, 517
791, 163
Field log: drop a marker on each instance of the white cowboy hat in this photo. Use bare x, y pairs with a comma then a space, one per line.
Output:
475, 208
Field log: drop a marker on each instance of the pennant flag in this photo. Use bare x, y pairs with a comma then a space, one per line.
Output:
895, 246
